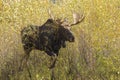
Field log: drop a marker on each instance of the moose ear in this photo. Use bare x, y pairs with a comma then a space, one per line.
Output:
50, 20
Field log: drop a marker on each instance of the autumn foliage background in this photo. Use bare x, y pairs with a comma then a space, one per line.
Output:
95, 54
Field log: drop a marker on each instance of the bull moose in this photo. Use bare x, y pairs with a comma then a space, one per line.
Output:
49, 37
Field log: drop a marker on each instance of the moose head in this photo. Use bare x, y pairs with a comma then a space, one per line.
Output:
65, 25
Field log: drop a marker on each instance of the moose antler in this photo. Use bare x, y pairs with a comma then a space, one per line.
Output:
77, 17
51, 14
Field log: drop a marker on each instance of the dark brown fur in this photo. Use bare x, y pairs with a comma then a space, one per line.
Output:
49, 37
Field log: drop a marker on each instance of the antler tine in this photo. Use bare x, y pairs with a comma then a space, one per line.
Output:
50, 14
77, 17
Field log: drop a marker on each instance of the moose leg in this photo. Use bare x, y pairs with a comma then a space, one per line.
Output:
24, 62
53, 61
53, 58
24, 59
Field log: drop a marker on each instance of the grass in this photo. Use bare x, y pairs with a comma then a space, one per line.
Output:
93, 56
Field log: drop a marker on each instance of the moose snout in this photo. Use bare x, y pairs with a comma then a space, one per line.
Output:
72, 39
